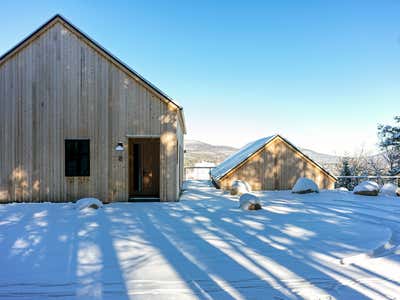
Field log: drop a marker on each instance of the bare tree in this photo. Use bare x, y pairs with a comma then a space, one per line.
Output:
361, 163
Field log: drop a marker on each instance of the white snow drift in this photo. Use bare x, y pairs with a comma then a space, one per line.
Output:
240, 187
88, 203
390, 189
367, 188
204, 247
249, 201
305, 185
342, 189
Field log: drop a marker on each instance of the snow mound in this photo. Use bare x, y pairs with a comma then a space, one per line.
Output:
305, 185
88, 203
342, 189
249, 201
239, 187
390, 189
367, 188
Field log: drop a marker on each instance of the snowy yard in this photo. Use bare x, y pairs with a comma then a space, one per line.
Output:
315, 246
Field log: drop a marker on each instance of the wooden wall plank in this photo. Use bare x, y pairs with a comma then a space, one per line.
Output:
57, 88
277, 166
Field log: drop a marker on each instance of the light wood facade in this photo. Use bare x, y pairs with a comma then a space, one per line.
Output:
277, 166
59, 84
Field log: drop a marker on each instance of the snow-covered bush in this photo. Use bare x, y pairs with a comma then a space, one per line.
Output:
367, 188
249, 201
390, 189
342, 189
305, 185
88, 203
239, 187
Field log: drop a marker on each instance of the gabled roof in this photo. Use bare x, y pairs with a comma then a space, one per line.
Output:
62, 20
237, 159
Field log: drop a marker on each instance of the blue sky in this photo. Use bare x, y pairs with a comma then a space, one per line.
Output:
321, 73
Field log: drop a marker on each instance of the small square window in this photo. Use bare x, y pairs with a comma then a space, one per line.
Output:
77, 158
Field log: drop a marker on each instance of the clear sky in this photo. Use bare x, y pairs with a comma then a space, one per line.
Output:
321, 73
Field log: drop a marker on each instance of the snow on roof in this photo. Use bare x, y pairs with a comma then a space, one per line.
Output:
240, 156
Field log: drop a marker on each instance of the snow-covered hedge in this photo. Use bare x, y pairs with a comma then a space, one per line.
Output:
240, 187
88, 203
305, 185
367, 188
390, 189
249, 201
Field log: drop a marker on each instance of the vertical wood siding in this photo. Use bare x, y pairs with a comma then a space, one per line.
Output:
57, 88
277, 167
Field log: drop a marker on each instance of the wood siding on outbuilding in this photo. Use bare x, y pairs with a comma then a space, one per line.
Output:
277, 166
59, 87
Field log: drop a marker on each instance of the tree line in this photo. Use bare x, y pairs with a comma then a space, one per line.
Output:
386, 163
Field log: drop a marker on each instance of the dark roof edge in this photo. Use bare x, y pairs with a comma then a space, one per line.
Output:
3, 56
58, 16
305, 155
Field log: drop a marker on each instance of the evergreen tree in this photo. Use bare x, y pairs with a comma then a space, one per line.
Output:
345, 170
389, 142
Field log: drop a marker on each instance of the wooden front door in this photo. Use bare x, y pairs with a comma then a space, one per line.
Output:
144, 168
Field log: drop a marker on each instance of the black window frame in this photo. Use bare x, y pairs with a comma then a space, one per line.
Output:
82, 152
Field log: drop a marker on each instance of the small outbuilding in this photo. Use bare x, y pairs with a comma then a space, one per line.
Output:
270, 163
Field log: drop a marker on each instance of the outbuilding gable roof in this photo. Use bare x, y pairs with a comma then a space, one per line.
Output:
92, 43
238, 158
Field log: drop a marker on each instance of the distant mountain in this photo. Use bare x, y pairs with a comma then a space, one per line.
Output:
328, 161
197, 152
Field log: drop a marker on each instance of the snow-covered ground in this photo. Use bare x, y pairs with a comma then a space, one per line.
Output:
319, 246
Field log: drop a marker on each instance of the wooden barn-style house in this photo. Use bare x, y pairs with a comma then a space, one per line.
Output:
77, 122
270, 163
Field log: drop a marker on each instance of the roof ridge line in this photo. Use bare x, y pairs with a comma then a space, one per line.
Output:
61, 18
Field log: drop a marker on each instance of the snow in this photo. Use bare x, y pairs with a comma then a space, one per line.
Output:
238, 157
88, 203
328, 245
205, 164
390, 189
240, 187
247, 185
342, 188
201, 171
248, 199
305, 185
367, 186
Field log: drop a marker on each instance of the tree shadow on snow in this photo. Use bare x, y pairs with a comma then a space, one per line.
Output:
202, 247
255, 244
52, 250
